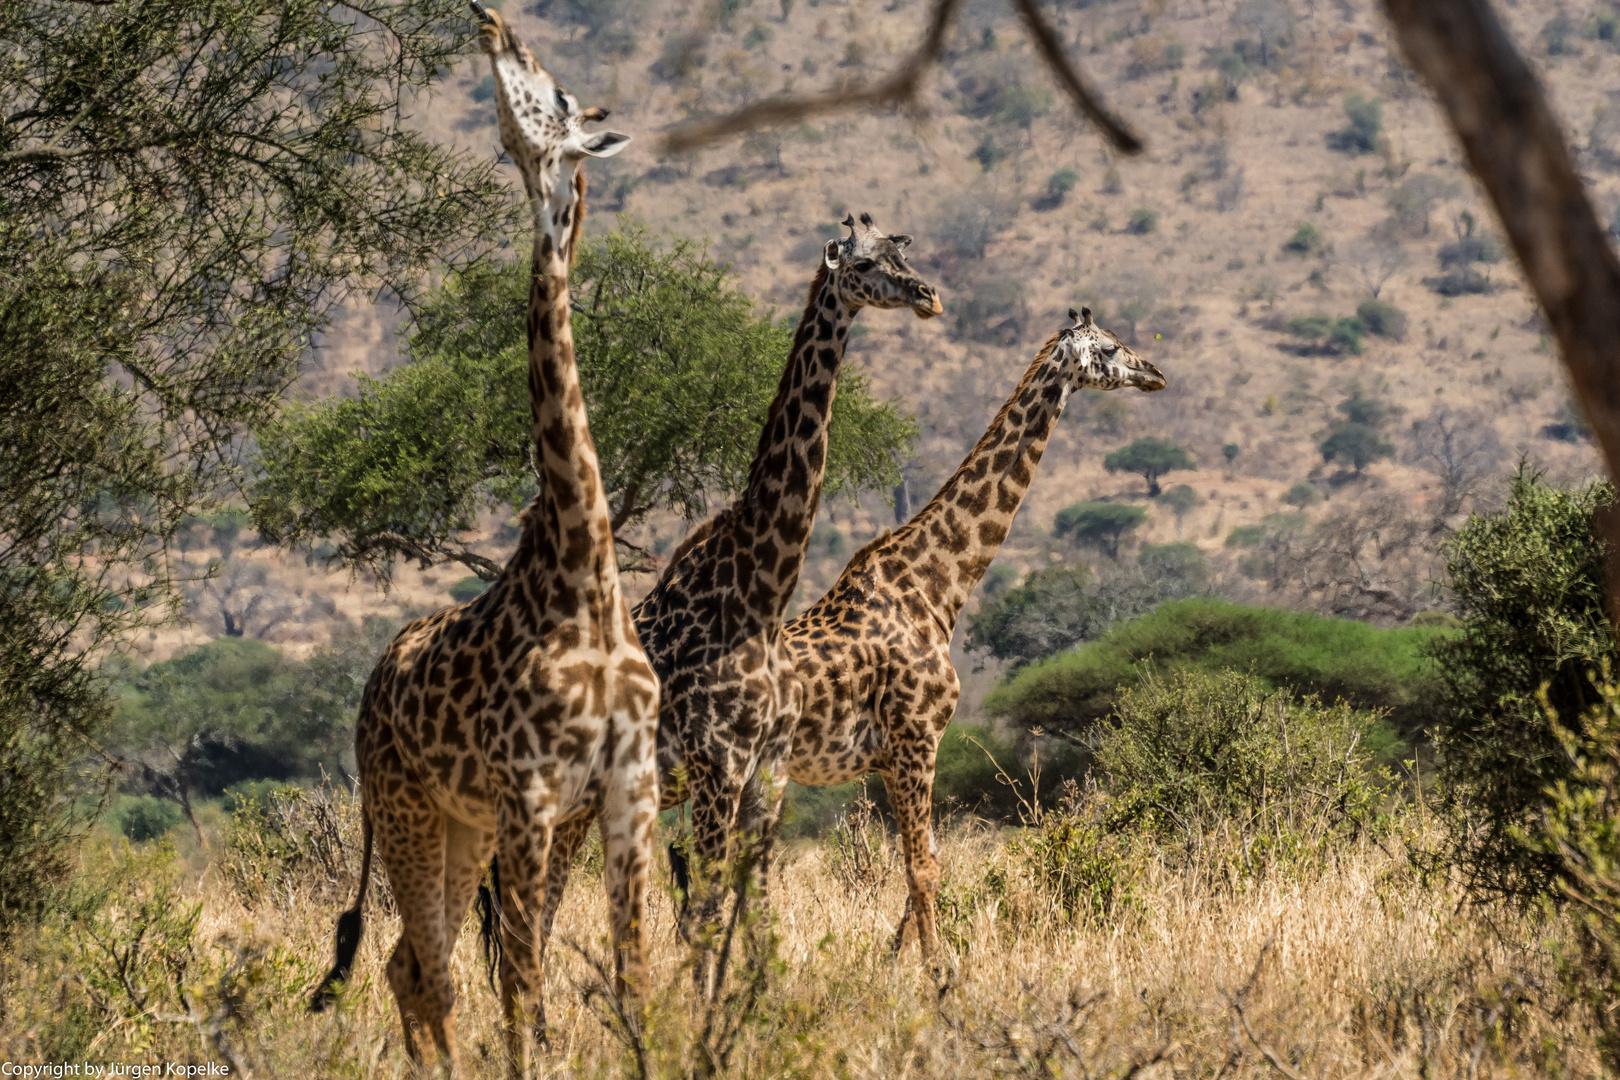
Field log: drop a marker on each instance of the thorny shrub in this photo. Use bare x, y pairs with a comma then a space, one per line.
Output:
119, 969
290, 842
1245, 777
1579, 830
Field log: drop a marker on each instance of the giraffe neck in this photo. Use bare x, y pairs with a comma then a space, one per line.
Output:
784, 482
572, 511
971, 515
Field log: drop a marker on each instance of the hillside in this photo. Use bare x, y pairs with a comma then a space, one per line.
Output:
1184, 249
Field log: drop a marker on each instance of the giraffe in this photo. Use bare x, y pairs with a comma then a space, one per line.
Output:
875, 652
711, 623
488, 725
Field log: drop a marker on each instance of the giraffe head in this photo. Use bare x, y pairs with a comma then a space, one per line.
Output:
869, 269
1094, 358
542, 129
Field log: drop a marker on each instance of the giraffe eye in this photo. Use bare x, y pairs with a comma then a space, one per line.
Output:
863, 265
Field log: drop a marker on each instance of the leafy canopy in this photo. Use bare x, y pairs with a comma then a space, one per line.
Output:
186, 191
1334, 658
1150, 456
1099, 523
678, 367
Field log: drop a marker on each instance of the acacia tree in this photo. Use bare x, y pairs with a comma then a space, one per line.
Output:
678, 369
1099, 523
187, 188
1150, 456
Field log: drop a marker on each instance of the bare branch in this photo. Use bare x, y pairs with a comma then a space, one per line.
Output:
1051, 51
1516, 147
901, 88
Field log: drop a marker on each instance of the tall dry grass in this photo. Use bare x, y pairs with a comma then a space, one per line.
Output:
1354, 968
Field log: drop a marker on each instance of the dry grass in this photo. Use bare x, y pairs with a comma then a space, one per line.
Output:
1360, 970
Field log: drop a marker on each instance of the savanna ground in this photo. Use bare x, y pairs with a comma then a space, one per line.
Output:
1211, 959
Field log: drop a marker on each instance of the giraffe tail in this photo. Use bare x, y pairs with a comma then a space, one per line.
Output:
489, 919
349, 927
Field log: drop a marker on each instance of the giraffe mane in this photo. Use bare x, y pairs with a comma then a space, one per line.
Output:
807, 321
865, 551
994, 427
579, 213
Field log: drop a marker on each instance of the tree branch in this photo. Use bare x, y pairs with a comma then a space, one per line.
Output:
1516, 147
1051, 51
901, 88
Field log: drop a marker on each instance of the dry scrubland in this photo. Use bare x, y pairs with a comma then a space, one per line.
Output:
1354, 968
1230, 177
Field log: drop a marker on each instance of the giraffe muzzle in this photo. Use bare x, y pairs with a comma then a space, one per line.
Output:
927, 304
479, 12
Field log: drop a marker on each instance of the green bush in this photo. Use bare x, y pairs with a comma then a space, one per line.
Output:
1368, 667
1302, 494
1310, 326
1100, 524
1074, 864
1358, 445
1180, 560
1335, 336
1143, 221
1360, 136
1196, 750
1245, 536
1382, 319
1062, 182
1578, 833
1346, 336
145, 817
1307, 240
1529, 586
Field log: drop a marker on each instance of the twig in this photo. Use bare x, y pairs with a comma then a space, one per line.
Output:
1237, 1000
629, 1031
902, 87
899, 88
1051, 51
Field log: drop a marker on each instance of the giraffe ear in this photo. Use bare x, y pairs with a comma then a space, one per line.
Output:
603, 143
901, 240
829, 254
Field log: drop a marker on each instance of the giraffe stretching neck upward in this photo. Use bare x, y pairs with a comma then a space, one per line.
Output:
488, 726
875, 652
712, 622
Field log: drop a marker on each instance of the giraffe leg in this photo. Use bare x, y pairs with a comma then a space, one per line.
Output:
714, 816
467, 850
524, 845
565, 844
911, 793
628, 817
413, 847
759, 818
403, 979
